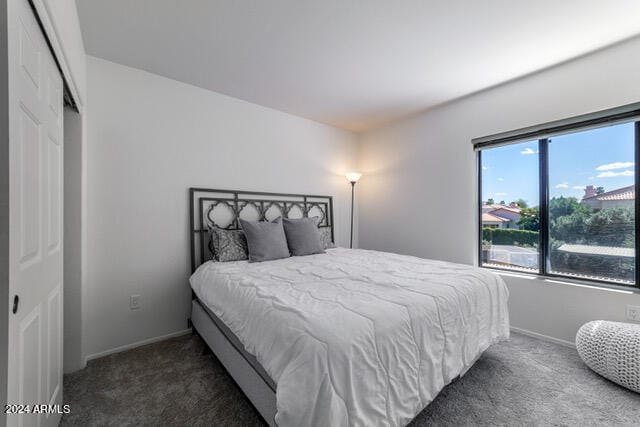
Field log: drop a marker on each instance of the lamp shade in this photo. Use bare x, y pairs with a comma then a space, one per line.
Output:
353, 176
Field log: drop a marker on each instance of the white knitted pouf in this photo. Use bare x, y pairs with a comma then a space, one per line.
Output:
612, 349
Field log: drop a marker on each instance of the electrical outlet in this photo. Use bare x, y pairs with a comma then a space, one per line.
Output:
633, 313
134, 302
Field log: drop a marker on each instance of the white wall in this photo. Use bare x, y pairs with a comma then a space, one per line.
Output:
150, 139
420, 173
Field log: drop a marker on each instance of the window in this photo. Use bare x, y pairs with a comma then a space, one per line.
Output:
592, 204
561, 200
510, 233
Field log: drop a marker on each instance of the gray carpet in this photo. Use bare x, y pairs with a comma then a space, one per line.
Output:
521, 382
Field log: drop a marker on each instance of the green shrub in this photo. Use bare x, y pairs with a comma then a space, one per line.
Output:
510, 236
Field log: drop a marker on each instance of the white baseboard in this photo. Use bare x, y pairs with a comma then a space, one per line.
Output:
135, 344
544, 337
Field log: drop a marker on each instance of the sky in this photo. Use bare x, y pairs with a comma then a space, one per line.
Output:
602, 157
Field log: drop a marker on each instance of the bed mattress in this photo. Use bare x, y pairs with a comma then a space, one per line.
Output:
357, 337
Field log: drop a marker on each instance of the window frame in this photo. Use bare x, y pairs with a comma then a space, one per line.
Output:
542, 133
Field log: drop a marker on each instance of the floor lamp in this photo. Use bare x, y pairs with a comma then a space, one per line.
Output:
352, 177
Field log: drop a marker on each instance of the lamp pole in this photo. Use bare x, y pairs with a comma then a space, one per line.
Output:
353, 186
352, 177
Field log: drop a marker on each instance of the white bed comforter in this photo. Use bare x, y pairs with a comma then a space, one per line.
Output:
356, 337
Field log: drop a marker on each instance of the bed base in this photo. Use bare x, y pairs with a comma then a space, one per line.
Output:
259, 391
225, 208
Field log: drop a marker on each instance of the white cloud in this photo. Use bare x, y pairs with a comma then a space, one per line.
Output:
499, 194
609, 174
528, 151
615, 165
592, 178
500, 179
562, 185
484, 168
578, 187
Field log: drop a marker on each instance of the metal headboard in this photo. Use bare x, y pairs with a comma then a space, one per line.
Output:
223, 208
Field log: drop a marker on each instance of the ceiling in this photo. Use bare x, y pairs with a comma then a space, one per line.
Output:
354, 64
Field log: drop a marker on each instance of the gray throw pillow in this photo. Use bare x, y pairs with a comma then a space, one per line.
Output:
303, 236
228, 245
265, 240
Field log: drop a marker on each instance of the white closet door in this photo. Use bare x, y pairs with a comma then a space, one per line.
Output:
35, 255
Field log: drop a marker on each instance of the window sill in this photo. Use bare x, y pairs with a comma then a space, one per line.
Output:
553, 280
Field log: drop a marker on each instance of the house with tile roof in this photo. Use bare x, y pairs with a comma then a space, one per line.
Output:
488, 207
493, 221
500, 216
621, 197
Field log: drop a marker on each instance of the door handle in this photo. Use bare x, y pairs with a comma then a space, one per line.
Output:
16, 301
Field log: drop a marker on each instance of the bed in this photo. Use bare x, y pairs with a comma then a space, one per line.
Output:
348, 337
